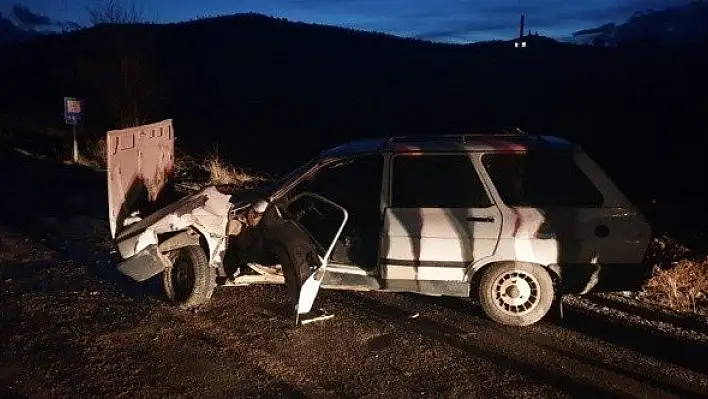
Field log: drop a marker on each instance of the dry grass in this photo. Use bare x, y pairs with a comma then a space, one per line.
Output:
94, 154
222, 173
190, 173
682, 287
680, 277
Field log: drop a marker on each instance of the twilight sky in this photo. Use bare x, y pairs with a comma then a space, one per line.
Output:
437, 20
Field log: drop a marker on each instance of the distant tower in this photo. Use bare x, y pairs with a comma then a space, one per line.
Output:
521, 42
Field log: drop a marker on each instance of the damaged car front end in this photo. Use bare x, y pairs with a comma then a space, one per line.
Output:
187, 240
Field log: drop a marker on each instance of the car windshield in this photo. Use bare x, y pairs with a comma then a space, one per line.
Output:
290, 178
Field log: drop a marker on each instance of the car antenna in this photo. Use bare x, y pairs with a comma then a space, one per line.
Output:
517, 130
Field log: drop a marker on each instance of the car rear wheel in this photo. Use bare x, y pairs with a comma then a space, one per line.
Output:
516, 294
190, 282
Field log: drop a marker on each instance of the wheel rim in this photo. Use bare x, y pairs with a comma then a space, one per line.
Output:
182, 279
516, 293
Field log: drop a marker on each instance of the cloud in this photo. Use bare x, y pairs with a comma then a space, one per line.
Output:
26, 17
69, 25
11, 33
464, 20
450, 20
463, 29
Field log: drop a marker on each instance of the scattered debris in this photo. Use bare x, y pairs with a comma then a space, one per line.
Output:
315, 315
665, 251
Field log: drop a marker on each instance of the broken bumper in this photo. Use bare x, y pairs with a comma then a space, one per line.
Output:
144, 264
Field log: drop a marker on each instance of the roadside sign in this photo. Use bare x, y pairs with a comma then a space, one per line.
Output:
73, 109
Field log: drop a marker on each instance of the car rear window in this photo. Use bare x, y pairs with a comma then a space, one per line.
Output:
541, 179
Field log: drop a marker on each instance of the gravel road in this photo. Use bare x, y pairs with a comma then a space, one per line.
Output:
71, 325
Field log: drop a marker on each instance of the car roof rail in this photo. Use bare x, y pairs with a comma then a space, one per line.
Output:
461, 138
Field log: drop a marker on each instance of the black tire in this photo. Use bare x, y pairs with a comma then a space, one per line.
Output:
516, 294
190, 282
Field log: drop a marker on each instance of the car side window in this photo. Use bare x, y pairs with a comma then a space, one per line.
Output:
436, 181
541, 179
352, 183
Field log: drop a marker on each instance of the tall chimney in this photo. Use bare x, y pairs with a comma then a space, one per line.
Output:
521, 27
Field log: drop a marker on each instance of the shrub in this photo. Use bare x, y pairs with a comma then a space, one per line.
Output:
94, 153
679, 278
683, 286
191, 175
222, 173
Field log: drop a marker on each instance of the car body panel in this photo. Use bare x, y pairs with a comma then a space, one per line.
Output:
140, 164
436, 243
574, 241
206, 212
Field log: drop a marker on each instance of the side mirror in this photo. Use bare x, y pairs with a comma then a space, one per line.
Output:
260, 205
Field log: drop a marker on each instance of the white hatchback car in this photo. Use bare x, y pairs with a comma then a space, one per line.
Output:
513, 219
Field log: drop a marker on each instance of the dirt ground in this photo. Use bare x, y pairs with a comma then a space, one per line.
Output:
71, 325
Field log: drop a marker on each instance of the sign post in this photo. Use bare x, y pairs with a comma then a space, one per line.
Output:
73, 110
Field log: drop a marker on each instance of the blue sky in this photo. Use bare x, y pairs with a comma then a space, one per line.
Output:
438, 20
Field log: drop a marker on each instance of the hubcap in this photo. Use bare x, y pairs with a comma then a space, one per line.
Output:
513, 291
516, 292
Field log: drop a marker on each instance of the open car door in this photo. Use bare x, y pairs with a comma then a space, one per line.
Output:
322, 221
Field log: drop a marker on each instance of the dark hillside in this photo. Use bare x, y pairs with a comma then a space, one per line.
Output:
272, 93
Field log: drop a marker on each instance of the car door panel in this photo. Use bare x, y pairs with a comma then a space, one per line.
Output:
439, 219
443, 235
306, 211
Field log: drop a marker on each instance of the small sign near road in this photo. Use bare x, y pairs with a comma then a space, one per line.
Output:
73, 108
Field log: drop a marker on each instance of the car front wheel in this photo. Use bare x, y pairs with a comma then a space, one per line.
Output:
190, 282
516, 294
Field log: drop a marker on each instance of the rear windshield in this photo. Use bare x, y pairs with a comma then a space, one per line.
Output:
543, 179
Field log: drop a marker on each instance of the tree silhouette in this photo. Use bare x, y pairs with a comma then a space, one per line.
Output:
114, 12
126, 79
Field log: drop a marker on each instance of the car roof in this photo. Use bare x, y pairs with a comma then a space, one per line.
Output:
511, 142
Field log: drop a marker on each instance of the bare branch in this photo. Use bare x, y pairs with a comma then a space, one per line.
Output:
114, 12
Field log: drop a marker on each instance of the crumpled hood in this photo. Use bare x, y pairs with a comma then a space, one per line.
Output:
181, 206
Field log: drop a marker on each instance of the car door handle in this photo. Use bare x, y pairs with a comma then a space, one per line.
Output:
486, 219
545, 236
